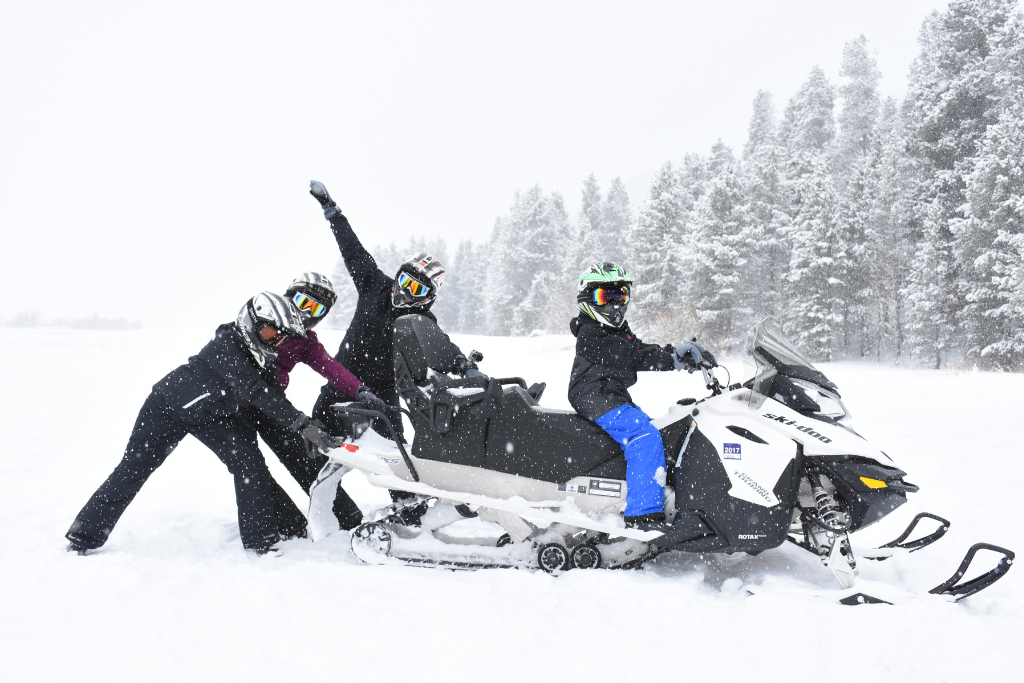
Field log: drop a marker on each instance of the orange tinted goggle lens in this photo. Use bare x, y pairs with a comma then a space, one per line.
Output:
603, 297
270, 335
416, 289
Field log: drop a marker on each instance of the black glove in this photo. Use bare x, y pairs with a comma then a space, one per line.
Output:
463, 366
315, 434
691, 356
371, 400
319, 192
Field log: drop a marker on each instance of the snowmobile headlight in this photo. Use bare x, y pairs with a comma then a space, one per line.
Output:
873, 483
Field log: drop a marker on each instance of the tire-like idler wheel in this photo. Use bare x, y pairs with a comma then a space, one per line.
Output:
371, 542
585, 557
553, 557
503, 540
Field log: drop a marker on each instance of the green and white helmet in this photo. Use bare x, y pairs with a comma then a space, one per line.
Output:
603, 293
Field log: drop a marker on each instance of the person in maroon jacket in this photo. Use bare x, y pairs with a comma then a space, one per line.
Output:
313, 294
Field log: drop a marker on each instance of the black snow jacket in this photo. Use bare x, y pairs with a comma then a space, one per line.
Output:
367, 349
606, 364
218, 379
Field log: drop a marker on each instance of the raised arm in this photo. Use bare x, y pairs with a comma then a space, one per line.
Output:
361, 266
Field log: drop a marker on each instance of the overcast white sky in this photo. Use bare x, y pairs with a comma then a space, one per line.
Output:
155, 156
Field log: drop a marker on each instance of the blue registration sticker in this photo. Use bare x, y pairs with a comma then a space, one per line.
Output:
732, 451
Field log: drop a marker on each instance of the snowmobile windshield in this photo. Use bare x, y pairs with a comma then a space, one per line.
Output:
786, 375
771, 351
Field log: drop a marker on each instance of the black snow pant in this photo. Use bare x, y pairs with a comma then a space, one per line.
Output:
265, 512
301, 461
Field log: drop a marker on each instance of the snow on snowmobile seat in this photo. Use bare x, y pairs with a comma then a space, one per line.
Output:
489, 422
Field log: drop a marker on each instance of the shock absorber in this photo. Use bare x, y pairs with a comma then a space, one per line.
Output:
829, 514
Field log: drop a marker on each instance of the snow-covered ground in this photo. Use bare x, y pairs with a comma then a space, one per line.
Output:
173, 597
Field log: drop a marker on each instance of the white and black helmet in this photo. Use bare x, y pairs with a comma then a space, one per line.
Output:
418, 279
264, 322
313, 295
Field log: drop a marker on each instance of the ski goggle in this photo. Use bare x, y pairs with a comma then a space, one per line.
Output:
618, 296
304, 303
271, 336
413, 287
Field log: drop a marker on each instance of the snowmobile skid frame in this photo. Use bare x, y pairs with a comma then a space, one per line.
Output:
753, 464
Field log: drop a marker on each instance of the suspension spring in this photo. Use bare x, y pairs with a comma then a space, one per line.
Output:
829, 515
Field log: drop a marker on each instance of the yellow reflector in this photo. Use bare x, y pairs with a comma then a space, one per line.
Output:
873, 483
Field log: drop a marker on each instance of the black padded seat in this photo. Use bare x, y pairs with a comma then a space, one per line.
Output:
551, 446
501, 428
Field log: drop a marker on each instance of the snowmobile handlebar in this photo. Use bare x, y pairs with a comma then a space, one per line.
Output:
366, 412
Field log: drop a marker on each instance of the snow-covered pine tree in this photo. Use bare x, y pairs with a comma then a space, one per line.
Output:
950, 103
889, 243
857, 154
930, 294
996, 192
766, 252
814, 313
504, 275
808, 127
713, 259
813, 310
589, 246
535, 237
859, 116
464, 286
656, 238
616, 224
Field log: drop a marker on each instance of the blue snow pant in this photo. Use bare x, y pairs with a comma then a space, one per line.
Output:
645, 456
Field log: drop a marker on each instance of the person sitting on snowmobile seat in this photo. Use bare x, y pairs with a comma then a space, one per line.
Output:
608, 356
313, 295
203, 398
368, 346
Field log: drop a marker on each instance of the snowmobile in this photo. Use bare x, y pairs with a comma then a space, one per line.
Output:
749, 467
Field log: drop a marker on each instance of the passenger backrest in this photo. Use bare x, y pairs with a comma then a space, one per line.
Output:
422, 344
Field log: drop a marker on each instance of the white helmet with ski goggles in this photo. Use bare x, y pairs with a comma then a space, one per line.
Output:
264, 322
603, 293
417, 281
313, 295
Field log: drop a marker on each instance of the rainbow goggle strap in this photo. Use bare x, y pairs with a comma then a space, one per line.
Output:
312, 306
618, 296
415, 288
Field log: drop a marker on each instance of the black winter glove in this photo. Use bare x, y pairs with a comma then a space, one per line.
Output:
319, 192
317, 436
370, 400
691, 356
466, 367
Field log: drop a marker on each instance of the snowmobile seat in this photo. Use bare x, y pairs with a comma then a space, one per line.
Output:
494, 423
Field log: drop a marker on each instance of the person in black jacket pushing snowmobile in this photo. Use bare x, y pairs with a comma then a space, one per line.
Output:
367, 349
313, 295
608, 356
202, 398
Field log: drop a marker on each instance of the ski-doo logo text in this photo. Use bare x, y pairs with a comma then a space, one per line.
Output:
807, 430
732, 451
761, 491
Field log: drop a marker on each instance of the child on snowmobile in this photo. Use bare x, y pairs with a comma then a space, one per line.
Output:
367, 349
203, 398
313, 294
608, 356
